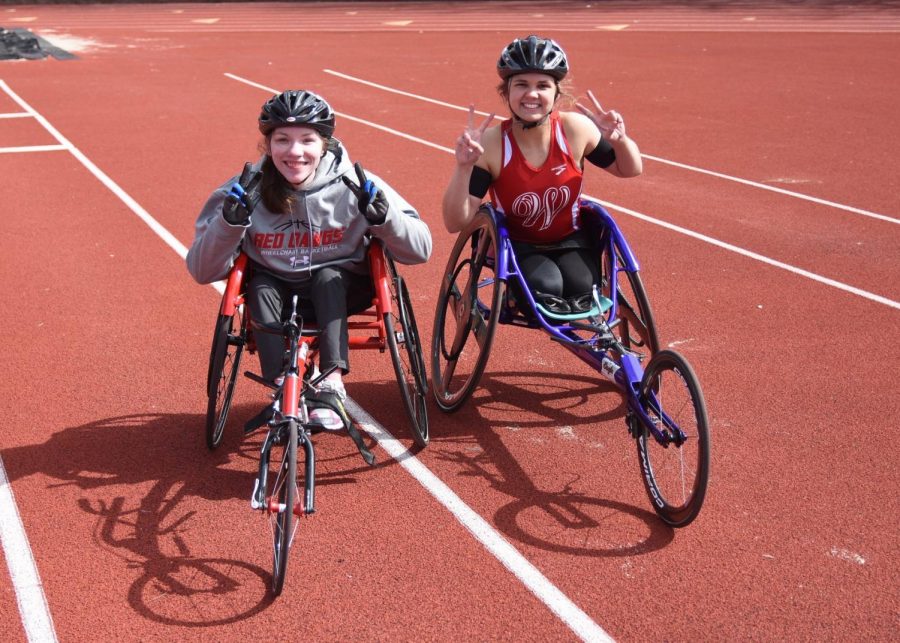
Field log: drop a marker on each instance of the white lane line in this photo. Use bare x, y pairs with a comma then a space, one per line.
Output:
557, 602
25, 578
761, 186
696, 235
398, 133
770, 188
31, 148
749, 253
538, 584
16, 115
133, 205
32, 603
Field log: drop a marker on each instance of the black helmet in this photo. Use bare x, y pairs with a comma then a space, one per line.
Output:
533, 54
297, 107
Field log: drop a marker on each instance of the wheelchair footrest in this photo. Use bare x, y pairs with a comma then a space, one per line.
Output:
605, 304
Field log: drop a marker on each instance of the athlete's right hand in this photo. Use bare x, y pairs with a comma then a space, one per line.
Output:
468, 145
242, 198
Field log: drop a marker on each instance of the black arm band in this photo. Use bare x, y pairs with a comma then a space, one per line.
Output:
603, 155
479, 182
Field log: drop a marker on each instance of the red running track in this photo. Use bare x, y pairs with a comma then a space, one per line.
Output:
786, 306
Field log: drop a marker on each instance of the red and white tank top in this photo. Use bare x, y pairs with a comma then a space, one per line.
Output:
540, 204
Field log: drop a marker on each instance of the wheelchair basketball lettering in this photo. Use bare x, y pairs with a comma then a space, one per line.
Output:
533, 208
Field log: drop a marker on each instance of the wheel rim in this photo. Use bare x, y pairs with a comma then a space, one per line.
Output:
675, 475
281, 505
466, 317
225, 362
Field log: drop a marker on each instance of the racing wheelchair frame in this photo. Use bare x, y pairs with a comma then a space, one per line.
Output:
665, 409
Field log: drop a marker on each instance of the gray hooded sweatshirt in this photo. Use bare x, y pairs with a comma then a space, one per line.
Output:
324, 227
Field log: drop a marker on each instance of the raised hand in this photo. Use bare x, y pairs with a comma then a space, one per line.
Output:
610, 122
243, 197
468, 145
372, 202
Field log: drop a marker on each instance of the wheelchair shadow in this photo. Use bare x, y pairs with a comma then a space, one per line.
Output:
571, 522
114, 460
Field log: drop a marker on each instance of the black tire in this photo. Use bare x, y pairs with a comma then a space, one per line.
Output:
406, 354
224, 361
469, 304
281, 501
637, 328
675, 474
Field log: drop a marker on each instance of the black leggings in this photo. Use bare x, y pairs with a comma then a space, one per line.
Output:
564, 272
326, 299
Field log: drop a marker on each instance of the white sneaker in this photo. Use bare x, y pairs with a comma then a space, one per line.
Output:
329, 420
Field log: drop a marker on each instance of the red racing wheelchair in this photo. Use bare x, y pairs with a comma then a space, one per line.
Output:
389, 324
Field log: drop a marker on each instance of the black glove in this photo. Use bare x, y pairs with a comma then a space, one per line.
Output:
373, 204
242, 198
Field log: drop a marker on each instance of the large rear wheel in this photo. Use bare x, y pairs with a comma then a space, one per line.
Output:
468, 309
224, 360
636, 329
406, 354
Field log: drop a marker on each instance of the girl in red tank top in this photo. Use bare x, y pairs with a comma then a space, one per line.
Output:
540, 204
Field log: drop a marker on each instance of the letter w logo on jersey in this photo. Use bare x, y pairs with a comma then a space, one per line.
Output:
536, 209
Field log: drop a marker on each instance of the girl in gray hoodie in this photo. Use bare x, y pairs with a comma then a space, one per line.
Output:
302, 220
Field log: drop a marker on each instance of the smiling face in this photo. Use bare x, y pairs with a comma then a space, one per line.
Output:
296, 151
531, 96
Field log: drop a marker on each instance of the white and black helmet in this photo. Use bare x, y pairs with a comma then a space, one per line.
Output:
533, 54
297, 107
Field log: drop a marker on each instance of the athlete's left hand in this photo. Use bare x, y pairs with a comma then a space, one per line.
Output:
610, 123
373, 204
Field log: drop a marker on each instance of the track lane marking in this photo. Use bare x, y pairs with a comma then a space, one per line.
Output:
644, 217
133, 205
32, 602
755, 184
538, 584
750, 254
560, 605
529, 575
32, 148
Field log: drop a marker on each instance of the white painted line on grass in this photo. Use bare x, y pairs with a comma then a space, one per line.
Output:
25, 578
538, 584
761, 186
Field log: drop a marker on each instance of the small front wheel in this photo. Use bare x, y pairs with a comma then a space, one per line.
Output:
280, 502
674, 465
224, 360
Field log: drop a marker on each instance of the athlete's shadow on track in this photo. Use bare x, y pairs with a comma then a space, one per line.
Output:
563, 520
152, 530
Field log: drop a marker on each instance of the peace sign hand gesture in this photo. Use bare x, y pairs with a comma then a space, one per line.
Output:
610, 122
468, 145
